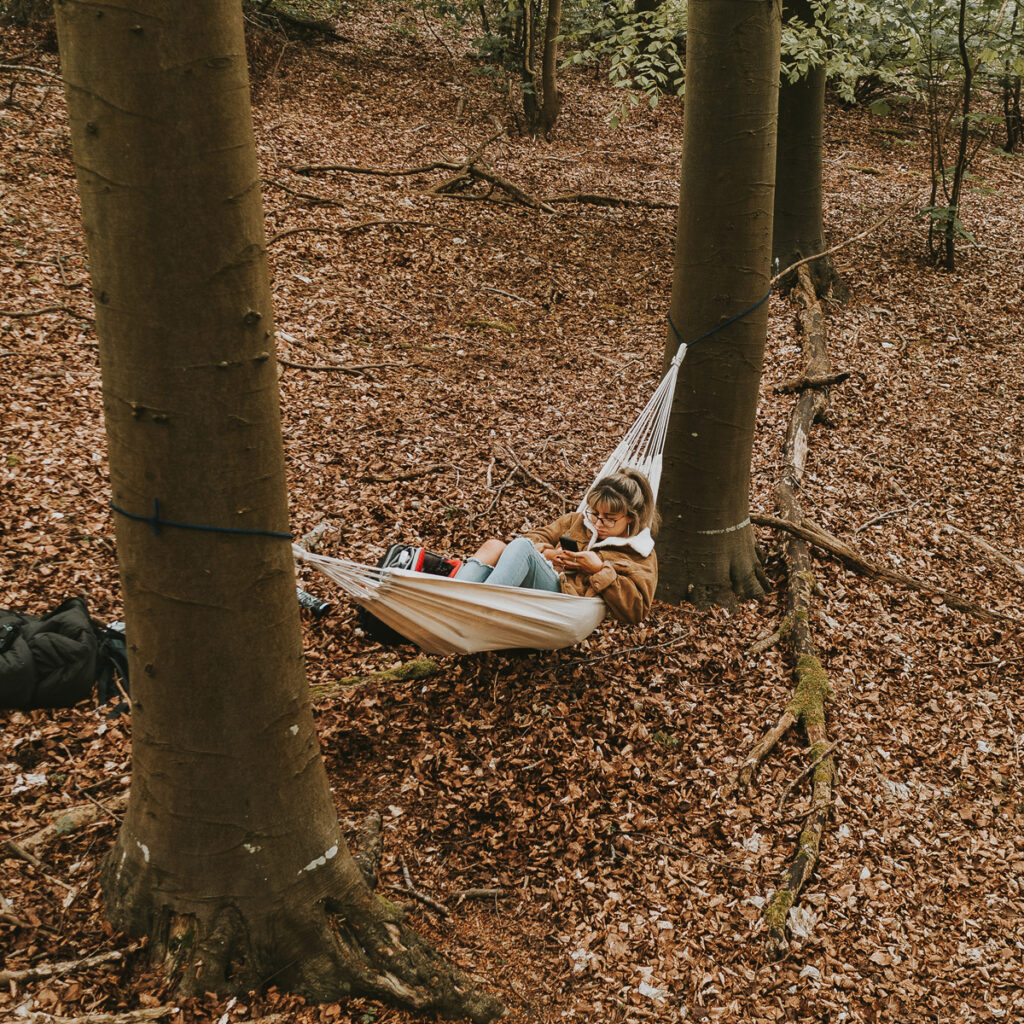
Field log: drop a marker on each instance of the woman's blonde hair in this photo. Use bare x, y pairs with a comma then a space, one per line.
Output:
627, 491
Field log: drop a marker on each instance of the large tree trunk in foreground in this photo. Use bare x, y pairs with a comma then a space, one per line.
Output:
722, 268
230, 857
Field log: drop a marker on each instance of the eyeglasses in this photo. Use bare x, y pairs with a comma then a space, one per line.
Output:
596, 517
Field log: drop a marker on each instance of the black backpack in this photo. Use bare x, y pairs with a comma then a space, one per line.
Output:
415, 559
55, 660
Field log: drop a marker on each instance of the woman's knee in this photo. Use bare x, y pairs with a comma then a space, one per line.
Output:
490, 551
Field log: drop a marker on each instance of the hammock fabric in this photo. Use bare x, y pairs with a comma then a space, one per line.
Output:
448, 616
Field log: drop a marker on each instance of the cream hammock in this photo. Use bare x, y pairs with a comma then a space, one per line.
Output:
449, 616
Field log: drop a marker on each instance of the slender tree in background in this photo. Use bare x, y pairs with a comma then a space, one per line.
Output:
798, 231
722, 269
230, 858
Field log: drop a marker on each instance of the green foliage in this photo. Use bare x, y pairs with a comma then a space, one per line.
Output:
644, 49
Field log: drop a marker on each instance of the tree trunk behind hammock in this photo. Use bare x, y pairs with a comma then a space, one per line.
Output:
230, 857
798, 231
542, 99
722, 267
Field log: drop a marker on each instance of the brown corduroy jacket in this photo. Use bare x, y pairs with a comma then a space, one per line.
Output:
625, 582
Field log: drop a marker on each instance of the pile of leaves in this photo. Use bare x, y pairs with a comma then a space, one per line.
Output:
570, 817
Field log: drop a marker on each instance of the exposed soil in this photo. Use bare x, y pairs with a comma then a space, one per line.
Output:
594, 786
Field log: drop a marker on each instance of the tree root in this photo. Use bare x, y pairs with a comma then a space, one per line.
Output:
806, 709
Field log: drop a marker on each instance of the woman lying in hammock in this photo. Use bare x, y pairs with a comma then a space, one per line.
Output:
612, 554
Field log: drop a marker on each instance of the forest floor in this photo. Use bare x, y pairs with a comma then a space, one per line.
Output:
594, 786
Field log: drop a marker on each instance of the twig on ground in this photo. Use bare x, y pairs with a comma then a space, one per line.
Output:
353, 370
412, 474
507, 295
479, 894
308, 196
985, 545
848, 241
19, 314
141, 1016
885, 515
343, 229
764, 643
69, 820
41, 971
593, 199
418, 668
416, 894
815, 535
29, 67
551, 489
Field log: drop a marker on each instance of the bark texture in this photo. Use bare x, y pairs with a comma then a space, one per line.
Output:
722, 268
230, 857
798, 231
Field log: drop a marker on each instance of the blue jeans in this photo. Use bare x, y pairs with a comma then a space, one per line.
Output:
520, 565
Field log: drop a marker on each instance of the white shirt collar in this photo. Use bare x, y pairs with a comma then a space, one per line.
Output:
642, 543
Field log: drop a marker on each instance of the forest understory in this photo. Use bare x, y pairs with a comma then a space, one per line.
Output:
457, 363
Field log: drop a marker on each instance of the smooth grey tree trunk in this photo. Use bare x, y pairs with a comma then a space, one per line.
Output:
707, 551
230, 858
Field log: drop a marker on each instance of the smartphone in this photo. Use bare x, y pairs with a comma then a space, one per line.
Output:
568, 544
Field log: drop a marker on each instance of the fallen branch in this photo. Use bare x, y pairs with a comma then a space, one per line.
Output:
384, 172
764, 643
813, 690
885, 515
419, 668
998, 555
789, 387
140, 1016
479, 894
71, 820
343, 229
19, 314
841, 245
308, 196
814, 534
412, 474
517, 466
291, 16
352, 370
422, 897
594, 199
29, 67
64, 967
